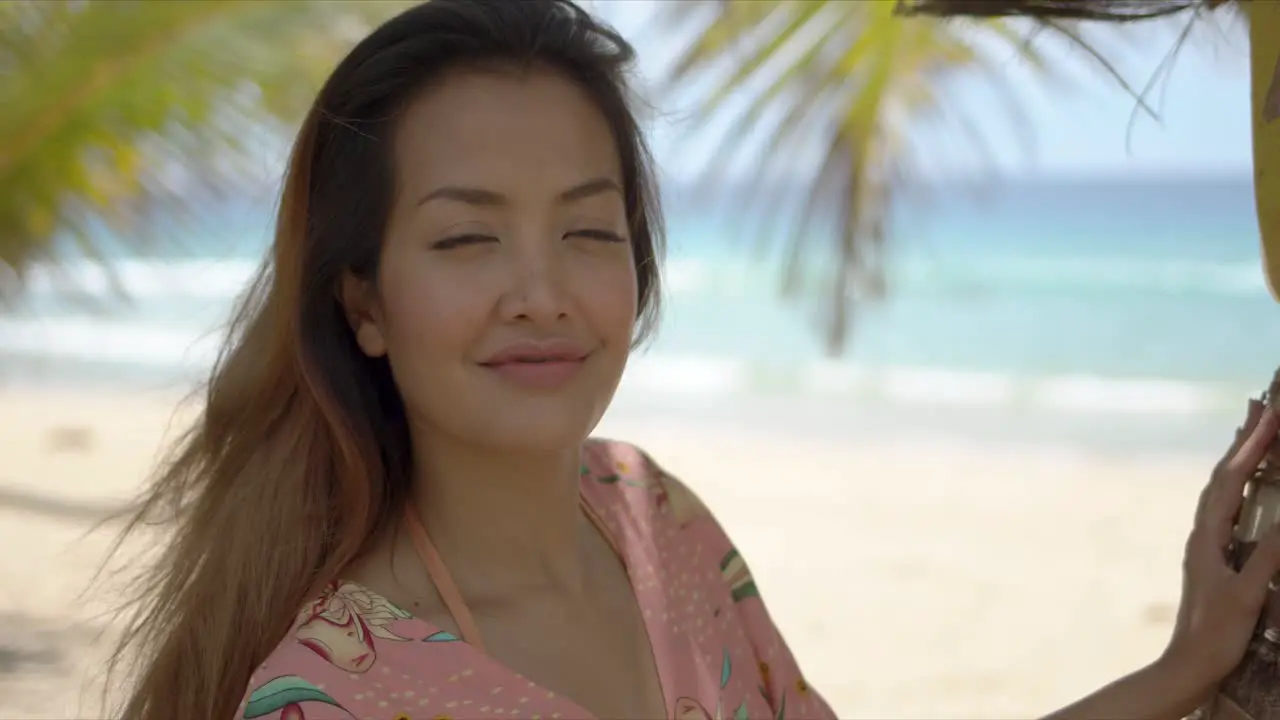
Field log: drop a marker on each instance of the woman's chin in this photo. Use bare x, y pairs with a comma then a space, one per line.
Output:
506, 420
535, 433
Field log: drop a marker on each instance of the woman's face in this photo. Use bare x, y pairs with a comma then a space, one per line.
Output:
506, 297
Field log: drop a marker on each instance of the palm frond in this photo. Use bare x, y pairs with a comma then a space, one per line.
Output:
844, 81
1101, 10
113, 112
849, 81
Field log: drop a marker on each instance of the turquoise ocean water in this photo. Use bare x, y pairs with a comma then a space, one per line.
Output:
1080, 298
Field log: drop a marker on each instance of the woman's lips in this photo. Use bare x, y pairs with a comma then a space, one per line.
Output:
549, 374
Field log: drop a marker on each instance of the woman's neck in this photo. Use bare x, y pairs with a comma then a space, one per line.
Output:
504, 523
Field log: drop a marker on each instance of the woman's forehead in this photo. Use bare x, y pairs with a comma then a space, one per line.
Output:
477, 128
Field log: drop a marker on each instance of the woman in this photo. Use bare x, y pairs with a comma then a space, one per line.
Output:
390, 507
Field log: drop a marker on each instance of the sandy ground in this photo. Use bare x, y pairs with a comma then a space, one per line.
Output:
915, 578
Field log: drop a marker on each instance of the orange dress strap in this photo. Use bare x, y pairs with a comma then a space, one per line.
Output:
443, 579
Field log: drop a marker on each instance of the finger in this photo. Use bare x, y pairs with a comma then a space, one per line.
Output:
1225, 492
1252, 416
1245, 459
1226, 485
1257, 573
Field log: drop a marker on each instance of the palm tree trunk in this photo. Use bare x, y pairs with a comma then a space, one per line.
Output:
1264, 41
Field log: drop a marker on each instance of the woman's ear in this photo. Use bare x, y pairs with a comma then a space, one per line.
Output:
360, 305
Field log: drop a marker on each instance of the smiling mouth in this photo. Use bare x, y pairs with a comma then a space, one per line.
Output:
541, 374
534, 362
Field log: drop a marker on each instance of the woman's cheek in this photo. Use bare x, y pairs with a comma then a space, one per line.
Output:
610, 284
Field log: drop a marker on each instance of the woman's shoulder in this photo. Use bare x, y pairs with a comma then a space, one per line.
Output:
638, 481
349, 652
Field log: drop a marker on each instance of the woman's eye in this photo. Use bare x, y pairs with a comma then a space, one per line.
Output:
604, 235
456, 241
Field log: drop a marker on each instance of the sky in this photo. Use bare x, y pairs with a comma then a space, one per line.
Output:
1078, 129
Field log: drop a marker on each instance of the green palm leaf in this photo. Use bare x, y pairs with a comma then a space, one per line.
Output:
850, 77
113, 112
1107, 10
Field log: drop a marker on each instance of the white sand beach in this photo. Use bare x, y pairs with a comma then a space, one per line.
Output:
914, 578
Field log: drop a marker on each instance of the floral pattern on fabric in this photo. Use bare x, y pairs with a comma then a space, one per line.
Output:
354, 654
341, 626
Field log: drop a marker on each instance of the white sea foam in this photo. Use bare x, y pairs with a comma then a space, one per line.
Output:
142, 339
1080, 393
96, 340
704, 376
226, 278
926, 387
689, 374
145, 279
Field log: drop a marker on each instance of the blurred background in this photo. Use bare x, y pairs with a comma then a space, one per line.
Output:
959, 314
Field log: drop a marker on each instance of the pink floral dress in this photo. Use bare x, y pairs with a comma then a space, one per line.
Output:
352, 654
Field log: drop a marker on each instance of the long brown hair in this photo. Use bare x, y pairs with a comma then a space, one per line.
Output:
301, 453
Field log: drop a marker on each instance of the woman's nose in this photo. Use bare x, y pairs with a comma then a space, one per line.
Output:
536, 292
